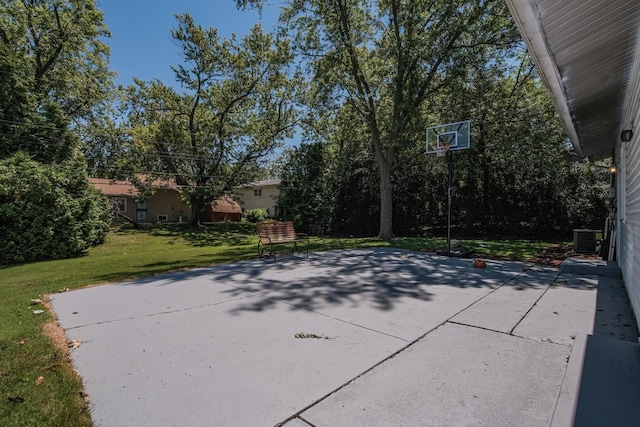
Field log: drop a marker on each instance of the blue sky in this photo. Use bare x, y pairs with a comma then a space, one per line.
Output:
141, 44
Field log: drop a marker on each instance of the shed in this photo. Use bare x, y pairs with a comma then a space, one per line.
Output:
223, 209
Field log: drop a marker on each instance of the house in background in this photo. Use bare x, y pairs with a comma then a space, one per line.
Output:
223, 209
164, 205
259, 194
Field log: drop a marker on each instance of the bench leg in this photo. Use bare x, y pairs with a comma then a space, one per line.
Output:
261, 251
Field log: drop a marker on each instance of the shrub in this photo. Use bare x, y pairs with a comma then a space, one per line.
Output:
48, 211
255, 215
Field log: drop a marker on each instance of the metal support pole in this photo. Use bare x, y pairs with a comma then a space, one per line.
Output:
449, 197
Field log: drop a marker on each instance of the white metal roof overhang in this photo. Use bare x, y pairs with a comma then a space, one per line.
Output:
585, 51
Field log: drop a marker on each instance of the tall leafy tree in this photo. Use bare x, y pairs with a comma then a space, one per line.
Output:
387, 57
53, 75
236, 106
306, 194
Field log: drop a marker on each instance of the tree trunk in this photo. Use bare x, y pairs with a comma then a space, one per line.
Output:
197, 205
386, 201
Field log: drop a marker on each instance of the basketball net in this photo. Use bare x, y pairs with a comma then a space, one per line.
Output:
441, 149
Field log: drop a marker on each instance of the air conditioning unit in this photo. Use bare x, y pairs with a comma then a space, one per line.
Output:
586, 241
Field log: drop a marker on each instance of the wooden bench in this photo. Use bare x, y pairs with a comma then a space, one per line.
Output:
272, 233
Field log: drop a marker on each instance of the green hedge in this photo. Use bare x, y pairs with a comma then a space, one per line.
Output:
48, 211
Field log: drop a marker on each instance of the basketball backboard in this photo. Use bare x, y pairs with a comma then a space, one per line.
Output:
449, 137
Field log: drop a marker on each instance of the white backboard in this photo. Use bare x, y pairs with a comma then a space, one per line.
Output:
455, 135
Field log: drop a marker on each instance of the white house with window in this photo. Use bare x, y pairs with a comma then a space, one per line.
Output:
259, 194
588, 54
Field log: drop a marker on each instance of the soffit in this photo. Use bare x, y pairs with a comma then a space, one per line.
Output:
585, 51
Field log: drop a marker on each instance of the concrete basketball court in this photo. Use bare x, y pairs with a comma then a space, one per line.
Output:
376, 337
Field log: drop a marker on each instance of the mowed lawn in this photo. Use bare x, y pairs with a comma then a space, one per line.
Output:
38, 386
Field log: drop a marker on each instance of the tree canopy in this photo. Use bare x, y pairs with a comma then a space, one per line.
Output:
516, 179
234, 108
54, 70
387, 59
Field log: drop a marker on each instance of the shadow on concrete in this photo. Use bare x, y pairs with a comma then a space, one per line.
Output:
378, 278
608, 362
610, 383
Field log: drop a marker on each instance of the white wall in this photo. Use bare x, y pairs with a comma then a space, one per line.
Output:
628, 196
266, 200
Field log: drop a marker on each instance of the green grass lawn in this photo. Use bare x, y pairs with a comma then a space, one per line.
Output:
38, 386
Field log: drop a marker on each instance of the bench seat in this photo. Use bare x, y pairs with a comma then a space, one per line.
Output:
272, 233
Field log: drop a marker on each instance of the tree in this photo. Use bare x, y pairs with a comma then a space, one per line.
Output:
236, 107
306, 194
54, 75
387, 58
48, 211
68, 61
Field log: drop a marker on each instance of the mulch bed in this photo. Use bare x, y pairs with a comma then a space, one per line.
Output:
552, 255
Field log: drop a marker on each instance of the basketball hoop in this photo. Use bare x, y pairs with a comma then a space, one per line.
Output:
441, 140
450, 137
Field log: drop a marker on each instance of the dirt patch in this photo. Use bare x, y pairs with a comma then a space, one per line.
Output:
58, 337
56, 334
555, 254
552, 255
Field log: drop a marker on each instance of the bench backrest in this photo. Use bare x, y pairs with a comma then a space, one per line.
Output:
276, 231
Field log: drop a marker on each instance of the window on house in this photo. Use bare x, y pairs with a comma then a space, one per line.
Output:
257, 192
120, 203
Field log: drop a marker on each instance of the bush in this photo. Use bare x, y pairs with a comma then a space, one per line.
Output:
48, 211
255, 215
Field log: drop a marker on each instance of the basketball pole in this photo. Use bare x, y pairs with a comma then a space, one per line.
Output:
443, 140
449, 197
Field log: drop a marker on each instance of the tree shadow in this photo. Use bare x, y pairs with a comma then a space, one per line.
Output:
380, 278
222, 233
175, 270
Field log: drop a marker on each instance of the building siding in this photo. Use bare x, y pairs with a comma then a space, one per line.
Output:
628, 185
267, 200
167, 202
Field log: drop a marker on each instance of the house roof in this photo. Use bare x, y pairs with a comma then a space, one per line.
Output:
111, 187
587, 53
226, 205
122, 188
264, 183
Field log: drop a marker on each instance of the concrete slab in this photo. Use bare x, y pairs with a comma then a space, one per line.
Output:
601, 386
455, 376
590, 267
493, 314
565, 311
614, 317
416, 291
574, 292
218, 346
204, 367
383, 271
527, 287
296, 422
555, 325
141, 297
221, 336
502, 309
